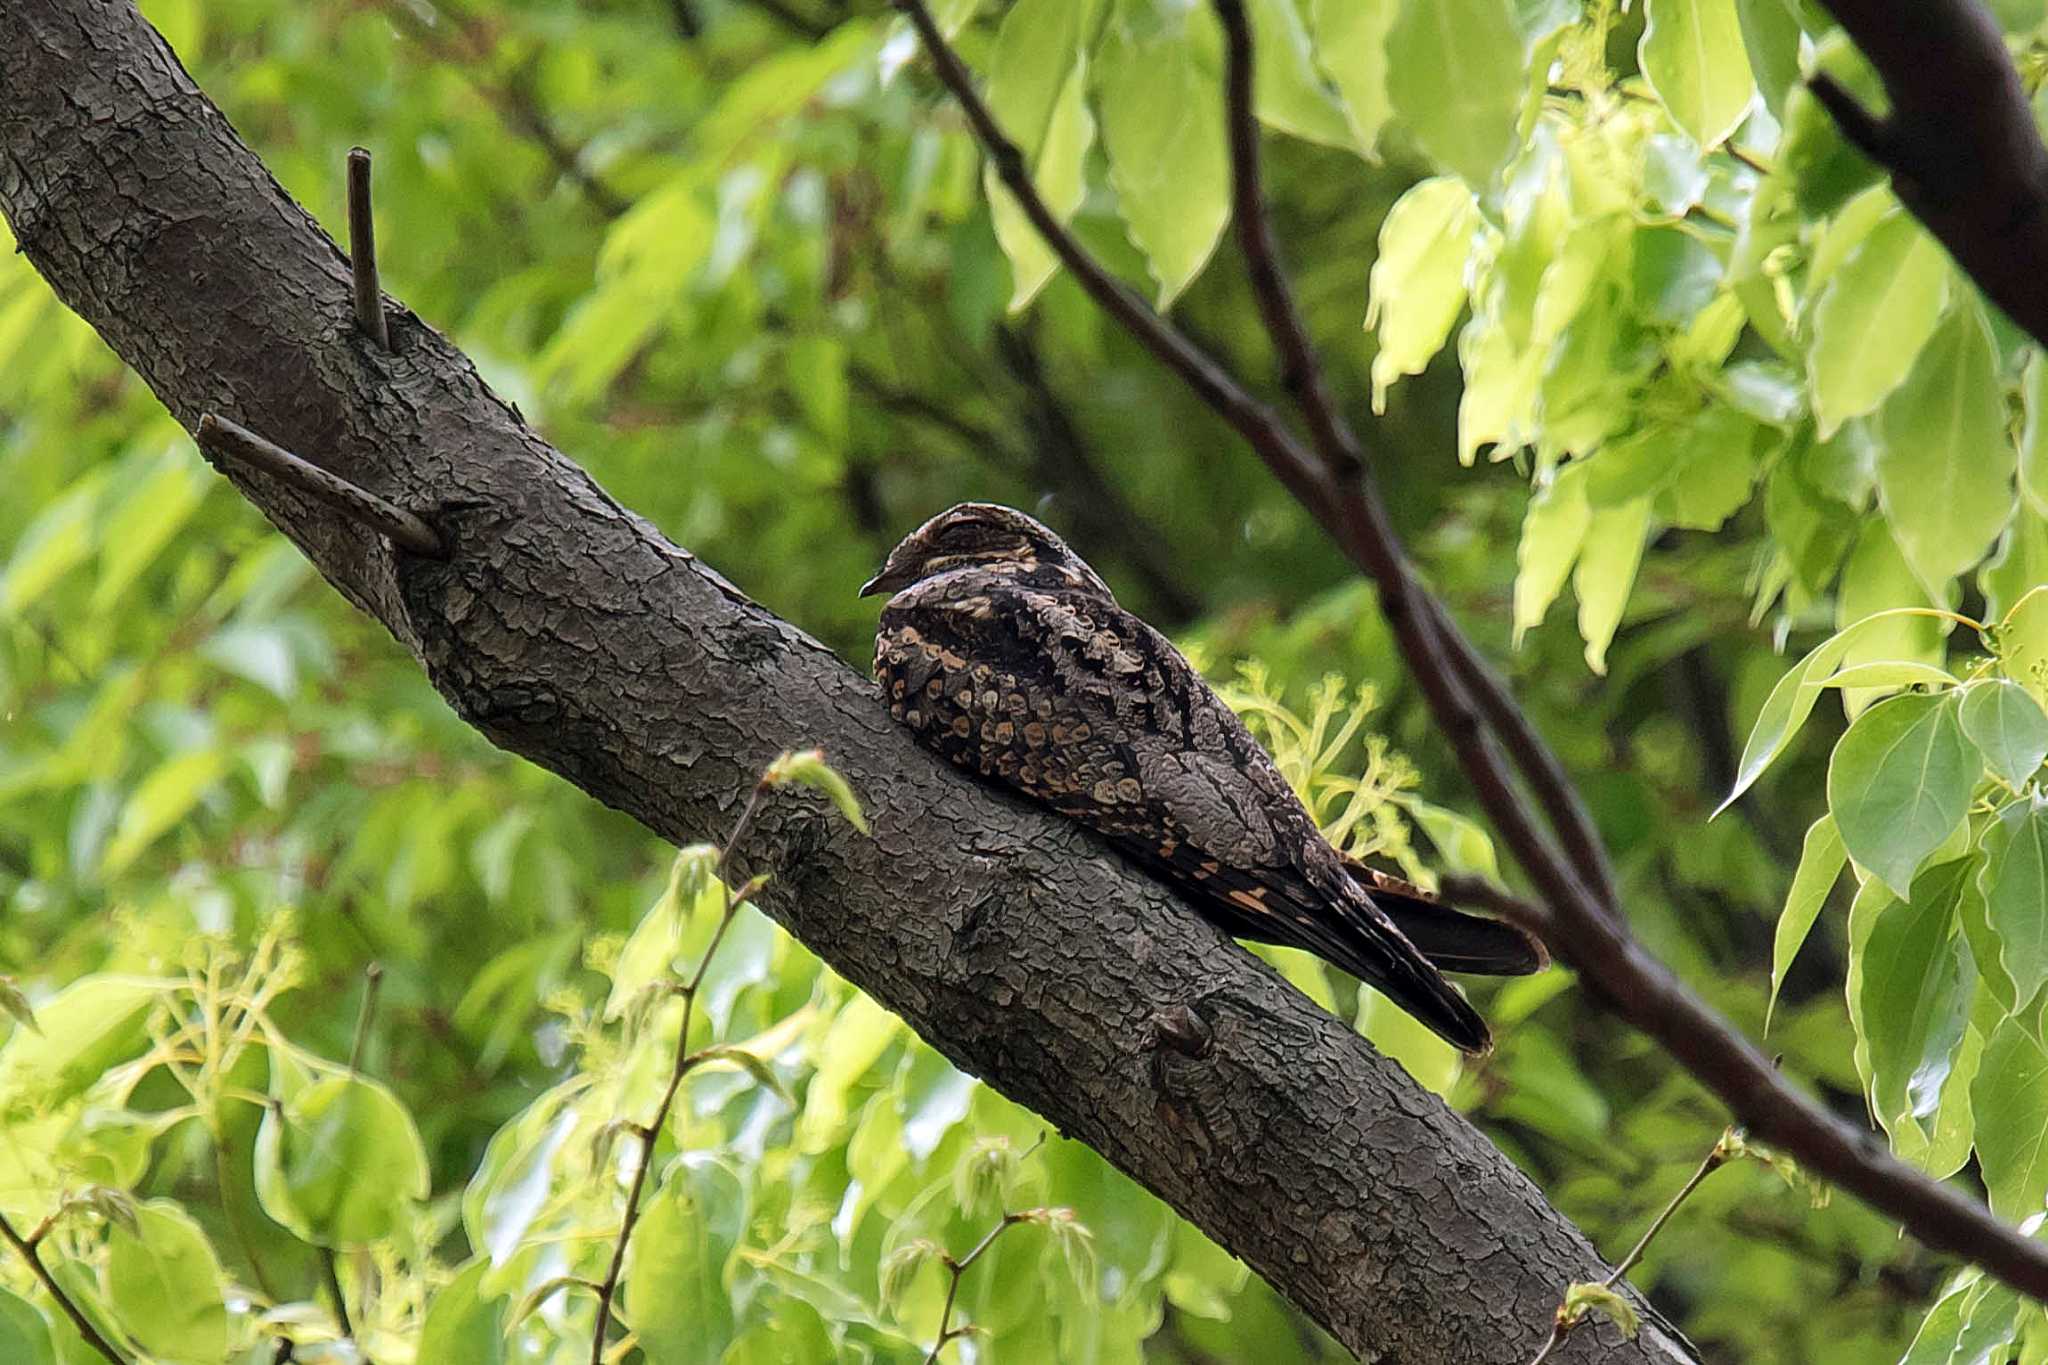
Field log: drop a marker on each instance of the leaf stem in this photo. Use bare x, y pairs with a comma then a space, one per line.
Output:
86, 1330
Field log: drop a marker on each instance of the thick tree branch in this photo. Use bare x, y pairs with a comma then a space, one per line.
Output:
569, 631
1582, 926
1960, 140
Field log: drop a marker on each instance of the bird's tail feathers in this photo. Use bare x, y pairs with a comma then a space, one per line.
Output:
1451, 939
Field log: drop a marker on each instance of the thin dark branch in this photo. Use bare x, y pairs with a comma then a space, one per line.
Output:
685, 16
1584, 929
1960, 141
86, 1330
222, 440
362, 251
1717, 1156
685, 1061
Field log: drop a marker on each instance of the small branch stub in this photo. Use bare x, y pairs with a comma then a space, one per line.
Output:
362, 251
222, 440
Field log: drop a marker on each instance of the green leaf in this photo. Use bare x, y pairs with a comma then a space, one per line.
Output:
1156, 78
56, 541
1790, 702
1553, 531
166, 1287
758, 1067
2014, 882
90, 1026
24, 1335
1821, 857
340, 1163
1770, 36
1945, 467
2022, 642
2034, 436
162, 799
1912, 1001
1287, 91
16, 1004
678, 1264
1890, 605
1899, 782
1455, 76
1824, 169
1418, 278
2010, 1101
1874, 316
462, 1323
1935, 1341
1692, 55
1038, 79
1605, 573
2008, 727
1351, 44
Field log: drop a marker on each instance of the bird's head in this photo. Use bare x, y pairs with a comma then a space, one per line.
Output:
985, 535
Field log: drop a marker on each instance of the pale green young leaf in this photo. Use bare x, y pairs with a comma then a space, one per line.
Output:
1891, 673
1821, 857
2034, 435
1606, 572
1288, 92
1553, 531
1351, 44
1156, 78
166, 1286
1692, 53
1418, 279
1454, 75
2010, 1099
1974, 915
1037, 88
1875, 314
2014, 882
59, 538
2008, 727
1711, 470
760, 1068
1585, 1297
1899, 782
16, 1004
1945, 464
1992, 1325
808, 768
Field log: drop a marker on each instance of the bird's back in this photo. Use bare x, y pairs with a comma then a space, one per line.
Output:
1060, 694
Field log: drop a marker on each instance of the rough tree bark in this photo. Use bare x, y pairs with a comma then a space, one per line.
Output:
570, 631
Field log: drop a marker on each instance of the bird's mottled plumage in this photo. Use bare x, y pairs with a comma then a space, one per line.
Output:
1005, 653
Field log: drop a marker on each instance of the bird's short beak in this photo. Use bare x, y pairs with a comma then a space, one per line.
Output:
879, 583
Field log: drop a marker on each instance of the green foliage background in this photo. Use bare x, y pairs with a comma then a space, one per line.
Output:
1631, 320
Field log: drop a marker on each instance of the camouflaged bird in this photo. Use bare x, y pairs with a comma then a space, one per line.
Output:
1005, 653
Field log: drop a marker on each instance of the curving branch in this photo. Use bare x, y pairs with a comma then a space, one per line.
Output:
569, 631
1960, 141
1581, 924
